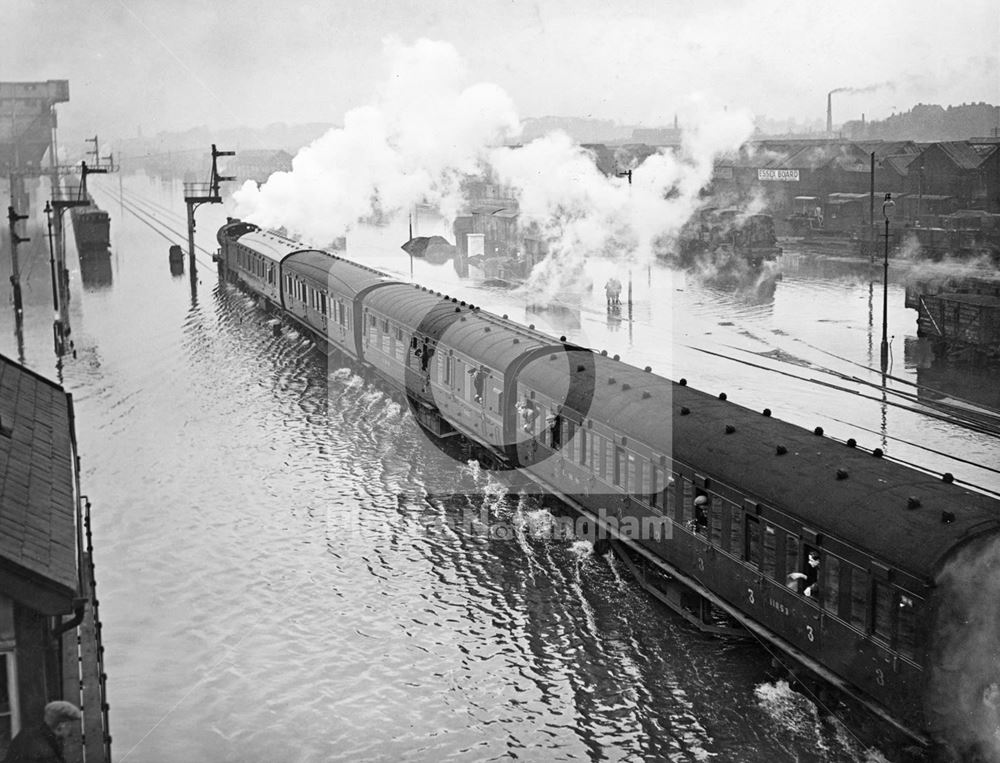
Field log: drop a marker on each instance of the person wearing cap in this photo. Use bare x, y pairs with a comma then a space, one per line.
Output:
701, 513
44, 743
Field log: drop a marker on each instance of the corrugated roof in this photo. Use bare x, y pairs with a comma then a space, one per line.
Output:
900, 163
37, 491
961, 153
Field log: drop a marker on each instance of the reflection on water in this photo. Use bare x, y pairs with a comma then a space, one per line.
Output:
95, 268
279, 582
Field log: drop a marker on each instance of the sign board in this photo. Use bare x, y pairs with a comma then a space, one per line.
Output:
783, 175
476, 244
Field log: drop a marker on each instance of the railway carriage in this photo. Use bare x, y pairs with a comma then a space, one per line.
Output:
324, 293
713, 506
254, 256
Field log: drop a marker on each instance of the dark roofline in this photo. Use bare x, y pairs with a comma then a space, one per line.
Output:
33, 591
25, 369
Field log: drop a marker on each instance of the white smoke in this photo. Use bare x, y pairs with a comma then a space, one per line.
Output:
423, 133
963, 697
426, 132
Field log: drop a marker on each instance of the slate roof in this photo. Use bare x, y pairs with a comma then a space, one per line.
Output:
37, 504
900, 162
961, 153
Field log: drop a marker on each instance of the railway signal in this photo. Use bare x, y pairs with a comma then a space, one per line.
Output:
196, 194
15, 276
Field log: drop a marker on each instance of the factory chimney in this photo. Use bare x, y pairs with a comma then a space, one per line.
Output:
829, 113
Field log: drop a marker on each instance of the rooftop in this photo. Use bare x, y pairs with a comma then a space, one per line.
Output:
38, 560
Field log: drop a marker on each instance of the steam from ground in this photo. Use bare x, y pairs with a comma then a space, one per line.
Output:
963, 700
425, 132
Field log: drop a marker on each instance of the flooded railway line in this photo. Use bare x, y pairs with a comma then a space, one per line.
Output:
202, 272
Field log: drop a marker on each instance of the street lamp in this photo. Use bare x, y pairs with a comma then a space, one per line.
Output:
888, 208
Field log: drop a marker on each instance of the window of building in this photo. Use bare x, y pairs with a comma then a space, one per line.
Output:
8, 690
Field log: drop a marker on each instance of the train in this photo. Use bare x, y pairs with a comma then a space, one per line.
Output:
872, 576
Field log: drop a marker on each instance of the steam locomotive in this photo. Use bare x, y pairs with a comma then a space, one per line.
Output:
714, 507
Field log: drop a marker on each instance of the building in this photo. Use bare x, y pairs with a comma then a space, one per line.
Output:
960, 169
49, 630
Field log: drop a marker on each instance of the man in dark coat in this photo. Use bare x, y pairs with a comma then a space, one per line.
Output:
44, 743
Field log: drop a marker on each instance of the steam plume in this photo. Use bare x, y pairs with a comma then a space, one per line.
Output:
425, 132
963, 702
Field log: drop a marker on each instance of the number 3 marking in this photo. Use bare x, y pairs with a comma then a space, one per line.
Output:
701, 564
879, 677
809, 633
750, 593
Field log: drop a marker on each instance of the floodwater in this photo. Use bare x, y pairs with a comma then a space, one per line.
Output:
278, 582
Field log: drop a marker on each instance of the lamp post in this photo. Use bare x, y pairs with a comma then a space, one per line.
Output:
888, 208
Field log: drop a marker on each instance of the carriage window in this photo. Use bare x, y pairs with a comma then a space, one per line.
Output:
736, 529
621, 479
859, 597
906, 626
649, 480
582, 451
715, 517
597, 442
609, 461
791, 554
753, 541
656, 497
882, 615
770, 550
634, 473
686, 513
830, 583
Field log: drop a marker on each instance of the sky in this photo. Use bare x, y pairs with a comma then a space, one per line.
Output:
155, 65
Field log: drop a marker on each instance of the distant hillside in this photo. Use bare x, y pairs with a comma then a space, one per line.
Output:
199, 140
928, 123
